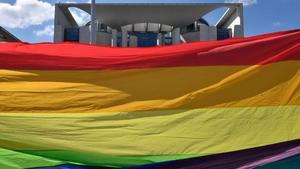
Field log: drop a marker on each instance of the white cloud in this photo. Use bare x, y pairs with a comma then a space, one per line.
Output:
47, 31
276, 24
244, 2
24, 13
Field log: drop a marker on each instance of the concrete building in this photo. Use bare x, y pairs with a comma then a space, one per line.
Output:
5, 36
147, 24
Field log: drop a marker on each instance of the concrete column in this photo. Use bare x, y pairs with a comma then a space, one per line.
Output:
238, 31
212, 33
159, 39
114, 38
203, 33
59, 33
195, 26
241, 15
124, 38
176, 36
93, 23
103, 39
84, 33
133, 41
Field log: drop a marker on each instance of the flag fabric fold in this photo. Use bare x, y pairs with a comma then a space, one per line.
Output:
202, 104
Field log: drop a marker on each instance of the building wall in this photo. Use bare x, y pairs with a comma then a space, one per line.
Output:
84, 34
191, 36
103, 39
204, 34
235, 22
61, 21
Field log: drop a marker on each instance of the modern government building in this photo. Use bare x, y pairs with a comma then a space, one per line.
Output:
147, 24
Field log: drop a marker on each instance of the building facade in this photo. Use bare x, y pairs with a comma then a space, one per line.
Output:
143, 25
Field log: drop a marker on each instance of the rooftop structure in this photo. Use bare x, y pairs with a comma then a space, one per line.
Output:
5, 36
136, 24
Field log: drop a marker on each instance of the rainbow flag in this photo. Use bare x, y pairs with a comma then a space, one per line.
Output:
221, 104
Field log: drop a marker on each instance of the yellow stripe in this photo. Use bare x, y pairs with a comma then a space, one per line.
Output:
183, 132
150, 89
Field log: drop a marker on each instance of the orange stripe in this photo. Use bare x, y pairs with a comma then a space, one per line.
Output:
150, 89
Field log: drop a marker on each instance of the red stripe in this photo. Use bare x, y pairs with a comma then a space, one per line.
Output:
256, 50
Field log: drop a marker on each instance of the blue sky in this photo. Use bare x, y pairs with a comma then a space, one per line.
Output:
261, 16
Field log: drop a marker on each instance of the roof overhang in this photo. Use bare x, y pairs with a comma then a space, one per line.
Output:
174, 14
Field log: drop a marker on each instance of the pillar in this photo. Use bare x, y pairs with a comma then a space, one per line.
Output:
176, 36
124, 38
114, 38
212, 33
93, 31
159, 39
203, 33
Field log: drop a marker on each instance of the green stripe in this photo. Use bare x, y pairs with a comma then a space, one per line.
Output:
43, 158
18, 160
135, 138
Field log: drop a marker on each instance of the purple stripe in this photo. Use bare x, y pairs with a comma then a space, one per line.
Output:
233, 160
271, 159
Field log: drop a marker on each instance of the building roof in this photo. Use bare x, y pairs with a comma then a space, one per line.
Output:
174, 14
7, 37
